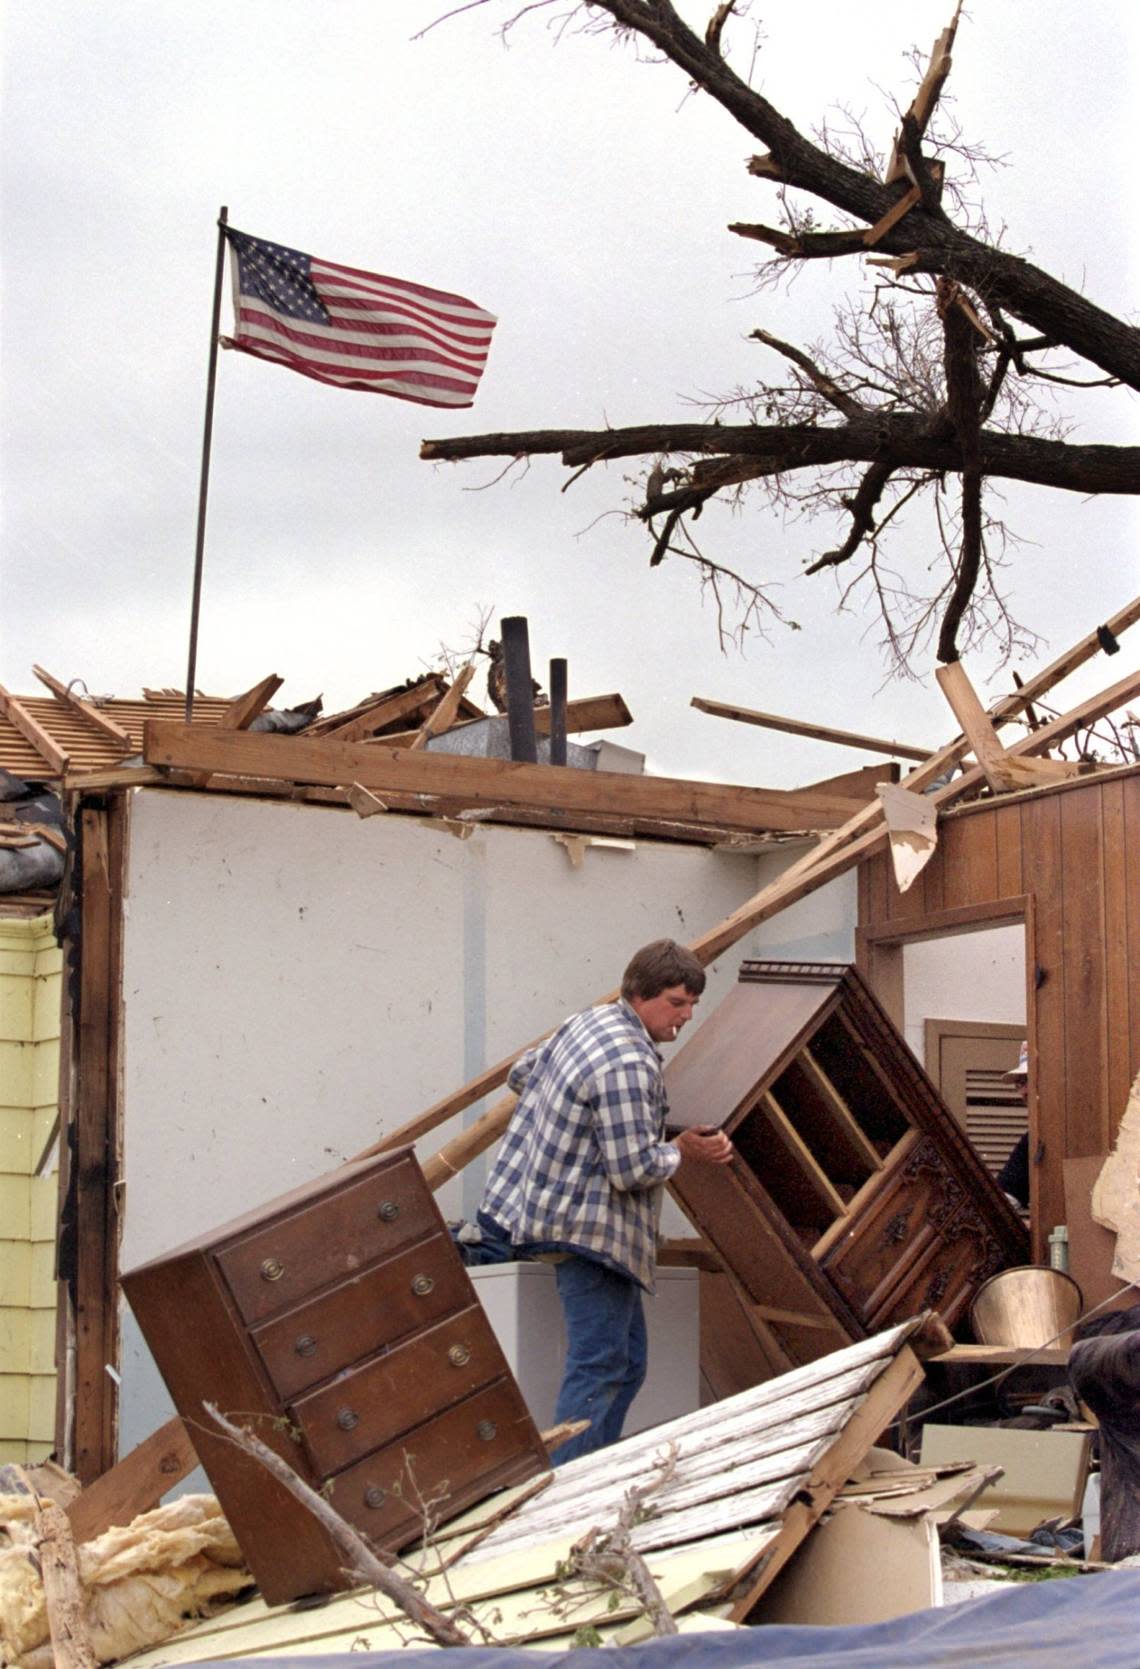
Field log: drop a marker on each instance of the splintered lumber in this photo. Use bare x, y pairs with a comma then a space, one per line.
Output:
373, 714
442, 717
590, 712
63, 692
818, 732
136, 1484
63, 1594
489, 782
32, 731
243, 709
975, 721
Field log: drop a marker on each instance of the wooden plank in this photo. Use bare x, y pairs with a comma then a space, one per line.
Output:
373, 715
954, 682
1084, 928
1132, 849
1120, 886
589, 712
1007, 840
63, 1592
800, 1155
860, 784
1004, 1356
114, 776
442, 716
1048, 1029
32, 731
817, 732
969, 861
852, 1129
93, 714
243, 709
136, 1484
93, 1285
492, 782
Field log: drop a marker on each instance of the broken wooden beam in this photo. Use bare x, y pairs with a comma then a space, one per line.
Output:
136, 1483
86, 708
818, 732
493, 782
591, 712
442, 716
243, 709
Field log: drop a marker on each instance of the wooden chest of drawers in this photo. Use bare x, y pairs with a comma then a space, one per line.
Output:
339, 1324
855, 1199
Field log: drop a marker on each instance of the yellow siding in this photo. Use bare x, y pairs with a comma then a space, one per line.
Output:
29, 1079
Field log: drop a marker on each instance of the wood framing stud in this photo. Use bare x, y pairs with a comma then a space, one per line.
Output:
87, 708
32, 731
818, 732
242, 711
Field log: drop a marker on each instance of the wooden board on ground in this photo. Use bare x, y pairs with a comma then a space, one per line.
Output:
136, 1484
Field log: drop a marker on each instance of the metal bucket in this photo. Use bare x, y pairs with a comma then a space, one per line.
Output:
1026, 1307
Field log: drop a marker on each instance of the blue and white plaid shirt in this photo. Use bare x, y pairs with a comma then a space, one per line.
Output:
582, 1162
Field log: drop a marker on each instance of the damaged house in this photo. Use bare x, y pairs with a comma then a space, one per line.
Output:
285, 942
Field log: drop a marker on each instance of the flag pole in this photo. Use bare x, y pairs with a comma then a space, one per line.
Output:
204, 480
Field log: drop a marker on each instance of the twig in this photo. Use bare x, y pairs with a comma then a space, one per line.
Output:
360, 1561
609, 1556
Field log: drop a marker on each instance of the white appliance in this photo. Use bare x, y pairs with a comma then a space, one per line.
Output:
521, 1302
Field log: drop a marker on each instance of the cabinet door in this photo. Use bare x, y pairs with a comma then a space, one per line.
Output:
896, 1228
964, 1255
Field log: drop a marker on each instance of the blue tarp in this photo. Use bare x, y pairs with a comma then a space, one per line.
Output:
1078, 1622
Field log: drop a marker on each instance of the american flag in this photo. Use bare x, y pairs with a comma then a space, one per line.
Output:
355, 329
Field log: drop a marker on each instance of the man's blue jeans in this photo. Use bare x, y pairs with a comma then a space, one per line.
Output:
606, 1353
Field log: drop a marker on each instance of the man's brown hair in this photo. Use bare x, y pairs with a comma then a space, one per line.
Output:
654, 968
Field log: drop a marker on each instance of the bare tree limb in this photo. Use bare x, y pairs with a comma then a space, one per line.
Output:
361, 1563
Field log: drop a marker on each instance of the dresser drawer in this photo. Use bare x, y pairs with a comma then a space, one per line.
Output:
299, 1253
373, 1404
487, 1441
359, 1317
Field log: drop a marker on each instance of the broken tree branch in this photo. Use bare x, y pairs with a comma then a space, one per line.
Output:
360, 1561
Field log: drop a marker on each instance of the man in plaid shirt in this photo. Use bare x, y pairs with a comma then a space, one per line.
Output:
579, 1176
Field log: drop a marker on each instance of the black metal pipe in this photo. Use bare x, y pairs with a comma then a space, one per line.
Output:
558, 712
520, 689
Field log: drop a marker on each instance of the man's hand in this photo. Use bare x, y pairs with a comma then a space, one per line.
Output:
703, 1145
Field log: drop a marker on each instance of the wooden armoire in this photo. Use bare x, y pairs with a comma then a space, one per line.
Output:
854, 1199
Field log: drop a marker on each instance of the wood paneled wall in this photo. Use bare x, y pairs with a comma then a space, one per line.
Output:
1067, 862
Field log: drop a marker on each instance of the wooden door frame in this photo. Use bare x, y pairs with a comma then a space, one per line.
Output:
879, 957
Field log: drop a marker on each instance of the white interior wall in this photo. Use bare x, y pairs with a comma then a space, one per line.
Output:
297, 981
964, 976
820, 928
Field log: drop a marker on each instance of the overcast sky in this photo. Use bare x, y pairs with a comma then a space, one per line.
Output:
583, 198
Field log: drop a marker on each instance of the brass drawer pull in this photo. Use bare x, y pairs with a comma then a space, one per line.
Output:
459, 1355
374, 1496
422, 1285
272, 1269
389, 1211
486, 1431
348, 1419
306, 1345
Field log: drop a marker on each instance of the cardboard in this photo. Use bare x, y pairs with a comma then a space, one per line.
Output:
1044, 1471
857, 1566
